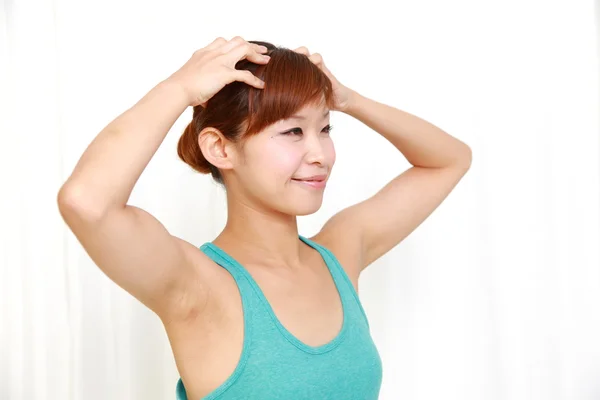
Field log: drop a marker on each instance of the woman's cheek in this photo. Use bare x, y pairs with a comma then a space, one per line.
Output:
330, 152
285, 157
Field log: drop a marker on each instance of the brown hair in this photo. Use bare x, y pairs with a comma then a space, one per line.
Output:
292, 81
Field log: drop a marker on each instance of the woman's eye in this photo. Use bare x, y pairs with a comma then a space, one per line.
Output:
298, 131
293, 132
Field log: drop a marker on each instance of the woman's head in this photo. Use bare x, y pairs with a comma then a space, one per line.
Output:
260, 142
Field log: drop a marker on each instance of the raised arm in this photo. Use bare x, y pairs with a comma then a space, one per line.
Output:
439, 161
374, 226
129, 245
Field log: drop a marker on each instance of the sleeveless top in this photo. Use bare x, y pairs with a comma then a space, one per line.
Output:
274, 364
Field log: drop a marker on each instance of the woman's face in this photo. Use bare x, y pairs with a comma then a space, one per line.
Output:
286, 166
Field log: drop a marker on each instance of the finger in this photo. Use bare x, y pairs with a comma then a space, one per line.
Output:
233, 43
302, 50
245, 50
237, 41
259, 47
248, 77
218, 42
316, 58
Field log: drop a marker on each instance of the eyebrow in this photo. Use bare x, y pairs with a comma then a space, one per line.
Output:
303, 117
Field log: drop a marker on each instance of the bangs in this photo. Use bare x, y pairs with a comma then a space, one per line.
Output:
292, 82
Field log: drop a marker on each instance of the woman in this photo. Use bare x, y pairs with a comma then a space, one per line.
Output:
260, 312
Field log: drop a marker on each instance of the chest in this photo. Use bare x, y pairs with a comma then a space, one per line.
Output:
309, 307
209, 349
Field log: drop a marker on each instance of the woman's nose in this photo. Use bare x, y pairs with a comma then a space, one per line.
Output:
315, 150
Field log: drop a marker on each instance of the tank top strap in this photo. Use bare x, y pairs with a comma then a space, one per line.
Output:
223, 259
257, 312
289, 366
259, 318
250, 302
339, 274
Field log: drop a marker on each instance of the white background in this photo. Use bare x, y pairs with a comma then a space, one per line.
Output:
496, 296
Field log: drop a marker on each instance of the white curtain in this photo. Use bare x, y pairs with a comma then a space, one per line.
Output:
496, 296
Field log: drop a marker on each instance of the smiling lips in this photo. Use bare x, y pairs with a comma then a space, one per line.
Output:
315, 181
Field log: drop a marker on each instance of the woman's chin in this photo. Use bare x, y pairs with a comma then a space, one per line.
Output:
307, 207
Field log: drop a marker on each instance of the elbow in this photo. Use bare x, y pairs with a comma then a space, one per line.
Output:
465, 157
73, 203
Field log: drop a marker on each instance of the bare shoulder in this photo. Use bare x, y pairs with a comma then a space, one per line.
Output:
344, 245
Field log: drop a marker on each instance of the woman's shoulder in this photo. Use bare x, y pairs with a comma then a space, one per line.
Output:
201, 262
344, 247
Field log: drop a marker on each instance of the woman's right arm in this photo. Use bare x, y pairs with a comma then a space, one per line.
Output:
128, 244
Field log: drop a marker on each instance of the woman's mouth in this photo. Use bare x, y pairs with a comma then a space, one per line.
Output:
316, 182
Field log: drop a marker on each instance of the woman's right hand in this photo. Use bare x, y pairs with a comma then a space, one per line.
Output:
212, 67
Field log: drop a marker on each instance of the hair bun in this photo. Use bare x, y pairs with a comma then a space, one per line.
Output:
189, 151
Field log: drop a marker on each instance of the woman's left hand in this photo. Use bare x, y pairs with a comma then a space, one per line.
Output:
341, 94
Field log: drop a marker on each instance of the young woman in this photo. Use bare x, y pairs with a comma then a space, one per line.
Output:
260, 312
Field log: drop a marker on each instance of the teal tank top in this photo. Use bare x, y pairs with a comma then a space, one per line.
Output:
274, 364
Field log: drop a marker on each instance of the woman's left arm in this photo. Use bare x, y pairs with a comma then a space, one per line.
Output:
439, 162
377, 224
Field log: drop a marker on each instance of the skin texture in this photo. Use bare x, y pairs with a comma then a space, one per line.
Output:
259, 173
198, 301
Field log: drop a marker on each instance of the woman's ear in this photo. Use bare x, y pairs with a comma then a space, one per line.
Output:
216, 148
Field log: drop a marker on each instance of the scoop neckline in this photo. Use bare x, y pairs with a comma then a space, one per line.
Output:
333, 343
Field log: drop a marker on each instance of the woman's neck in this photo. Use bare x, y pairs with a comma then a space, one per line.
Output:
267, 237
